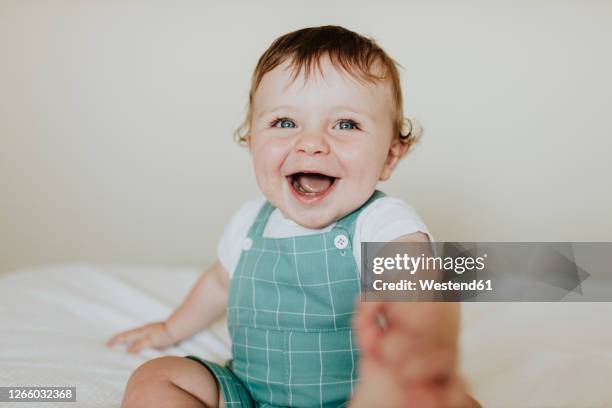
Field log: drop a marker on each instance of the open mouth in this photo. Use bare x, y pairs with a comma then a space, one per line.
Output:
311, 185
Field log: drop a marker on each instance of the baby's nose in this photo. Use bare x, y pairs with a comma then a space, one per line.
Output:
312, 143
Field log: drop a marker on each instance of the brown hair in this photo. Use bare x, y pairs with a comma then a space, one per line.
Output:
348, 51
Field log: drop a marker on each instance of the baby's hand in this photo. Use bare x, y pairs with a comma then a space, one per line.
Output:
415, 348
154, 335
417, 340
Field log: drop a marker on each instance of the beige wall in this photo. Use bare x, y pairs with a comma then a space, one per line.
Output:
116, 120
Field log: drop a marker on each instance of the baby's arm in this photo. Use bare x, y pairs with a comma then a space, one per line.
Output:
205, 303
418, 345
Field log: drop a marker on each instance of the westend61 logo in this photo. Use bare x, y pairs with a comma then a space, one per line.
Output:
405, 263
487, 272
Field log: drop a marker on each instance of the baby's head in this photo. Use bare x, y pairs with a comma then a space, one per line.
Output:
325, 123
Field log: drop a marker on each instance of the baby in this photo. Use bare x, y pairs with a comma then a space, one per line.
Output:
325, 124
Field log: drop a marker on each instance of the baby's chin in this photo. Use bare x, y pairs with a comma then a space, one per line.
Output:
313, 215
313, 219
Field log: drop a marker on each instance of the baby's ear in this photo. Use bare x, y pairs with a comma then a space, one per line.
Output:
397, 151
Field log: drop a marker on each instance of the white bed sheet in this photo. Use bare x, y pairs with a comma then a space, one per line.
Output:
55, 320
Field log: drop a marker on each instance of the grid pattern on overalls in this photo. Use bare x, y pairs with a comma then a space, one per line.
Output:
290, 307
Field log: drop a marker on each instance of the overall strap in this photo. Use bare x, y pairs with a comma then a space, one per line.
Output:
347, 222
258, 226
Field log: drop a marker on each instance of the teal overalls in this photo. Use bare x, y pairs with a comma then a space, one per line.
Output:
290, 305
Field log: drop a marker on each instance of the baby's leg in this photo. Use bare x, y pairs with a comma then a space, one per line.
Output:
172, 381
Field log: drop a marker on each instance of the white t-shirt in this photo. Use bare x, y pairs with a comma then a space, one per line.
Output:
383, 220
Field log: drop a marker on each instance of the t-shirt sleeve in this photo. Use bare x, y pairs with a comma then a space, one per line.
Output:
385, 220
235, 232
389, 218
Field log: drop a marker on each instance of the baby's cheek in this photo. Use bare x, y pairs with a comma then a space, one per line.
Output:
365, 159
367, 174
263, 176
262, 159
270, 155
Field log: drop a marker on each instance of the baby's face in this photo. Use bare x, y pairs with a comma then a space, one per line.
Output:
320, 147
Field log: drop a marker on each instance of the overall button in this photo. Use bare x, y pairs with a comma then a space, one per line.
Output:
341, 241
247, 243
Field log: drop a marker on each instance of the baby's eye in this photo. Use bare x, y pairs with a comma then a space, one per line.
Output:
348, 124
284, 123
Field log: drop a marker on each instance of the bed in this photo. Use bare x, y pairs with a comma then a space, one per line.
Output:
55, 320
